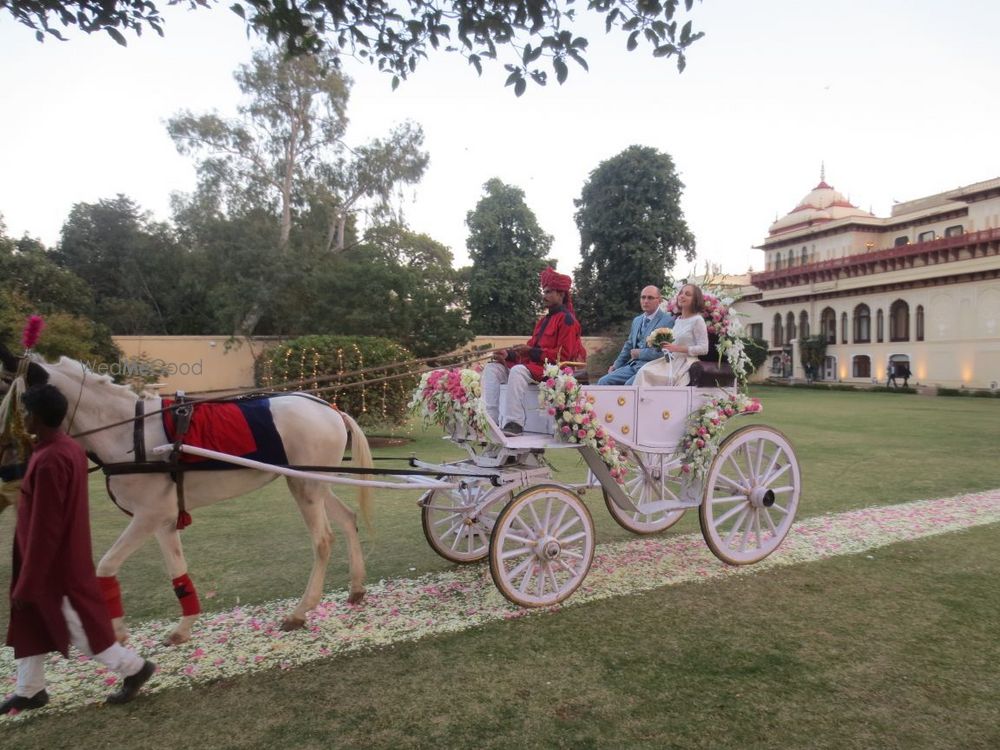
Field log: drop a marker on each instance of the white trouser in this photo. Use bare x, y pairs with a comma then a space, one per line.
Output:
117, 658
518, 378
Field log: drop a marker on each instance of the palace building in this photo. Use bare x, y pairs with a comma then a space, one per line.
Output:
920, 287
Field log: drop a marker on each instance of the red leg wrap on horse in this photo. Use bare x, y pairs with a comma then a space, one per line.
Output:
186, 594
112, 593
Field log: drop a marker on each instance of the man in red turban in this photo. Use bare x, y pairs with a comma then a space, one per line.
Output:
556, 339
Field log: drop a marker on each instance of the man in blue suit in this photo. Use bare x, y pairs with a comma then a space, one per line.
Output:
635, 353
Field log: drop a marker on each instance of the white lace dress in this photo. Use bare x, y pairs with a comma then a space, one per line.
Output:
690, 332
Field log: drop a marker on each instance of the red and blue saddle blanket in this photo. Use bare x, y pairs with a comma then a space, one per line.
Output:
243, 428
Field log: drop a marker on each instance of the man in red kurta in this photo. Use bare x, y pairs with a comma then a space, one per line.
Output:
54, 596
556, 339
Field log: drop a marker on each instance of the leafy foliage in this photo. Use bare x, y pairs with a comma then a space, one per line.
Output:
631, 231
32, 283
756, 350
508, 251
522, 33
130, 264
313, 357
812, 351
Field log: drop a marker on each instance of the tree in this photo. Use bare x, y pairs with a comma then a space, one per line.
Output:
32, 284
395, 284
395, 38
812, 352
285, 151
508, 251
631, 230
131, 264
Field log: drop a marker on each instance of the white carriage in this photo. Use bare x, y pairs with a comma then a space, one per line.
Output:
539, 535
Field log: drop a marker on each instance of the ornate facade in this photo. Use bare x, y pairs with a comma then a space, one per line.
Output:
920, 287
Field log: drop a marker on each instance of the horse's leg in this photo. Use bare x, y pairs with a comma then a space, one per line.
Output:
133, 537
169, 539
309, 497
348, 522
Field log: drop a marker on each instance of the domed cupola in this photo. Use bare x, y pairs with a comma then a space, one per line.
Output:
823, 204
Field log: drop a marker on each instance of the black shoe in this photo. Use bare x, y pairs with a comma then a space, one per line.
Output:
20, 703
131, 685
512, 429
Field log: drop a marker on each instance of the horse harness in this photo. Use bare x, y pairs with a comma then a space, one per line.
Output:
183, 411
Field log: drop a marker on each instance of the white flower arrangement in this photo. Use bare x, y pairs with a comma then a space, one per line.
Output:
452, 399
562, 397
705, 427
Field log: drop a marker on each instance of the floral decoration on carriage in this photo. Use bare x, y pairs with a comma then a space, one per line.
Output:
560, 393
451, 399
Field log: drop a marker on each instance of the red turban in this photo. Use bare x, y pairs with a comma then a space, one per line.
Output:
552, 279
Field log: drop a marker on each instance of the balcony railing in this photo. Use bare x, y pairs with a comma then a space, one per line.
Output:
892, 253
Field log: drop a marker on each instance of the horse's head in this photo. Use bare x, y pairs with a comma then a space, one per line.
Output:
34, 375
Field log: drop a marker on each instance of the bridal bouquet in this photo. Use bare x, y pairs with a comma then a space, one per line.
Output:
659, 337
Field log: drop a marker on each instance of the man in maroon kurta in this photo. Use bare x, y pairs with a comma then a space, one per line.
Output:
54, 595
556, 338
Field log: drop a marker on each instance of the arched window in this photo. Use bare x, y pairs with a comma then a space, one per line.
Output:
899, 321
790, 327
862, 324
862, 366
828, 325
879, 326
920, 322
805, 256
803, 324
843, 328
777, 336
777, 261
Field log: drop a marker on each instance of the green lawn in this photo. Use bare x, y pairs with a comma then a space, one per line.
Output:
892, 650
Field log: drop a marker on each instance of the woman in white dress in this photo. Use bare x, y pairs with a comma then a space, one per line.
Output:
690, 342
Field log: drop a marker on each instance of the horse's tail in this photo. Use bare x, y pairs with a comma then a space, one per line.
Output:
361, 454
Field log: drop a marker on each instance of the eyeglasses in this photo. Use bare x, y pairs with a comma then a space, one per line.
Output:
647, 296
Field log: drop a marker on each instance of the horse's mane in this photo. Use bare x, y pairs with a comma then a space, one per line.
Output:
71, 368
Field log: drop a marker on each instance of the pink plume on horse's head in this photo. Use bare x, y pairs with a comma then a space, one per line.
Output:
32, 330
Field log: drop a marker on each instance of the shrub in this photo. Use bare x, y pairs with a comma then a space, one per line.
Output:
313, 358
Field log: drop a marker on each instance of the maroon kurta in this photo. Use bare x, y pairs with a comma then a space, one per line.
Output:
556, 338
52, 555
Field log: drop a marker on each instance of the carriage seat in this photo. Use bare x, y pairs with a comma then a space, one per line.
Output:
709, 371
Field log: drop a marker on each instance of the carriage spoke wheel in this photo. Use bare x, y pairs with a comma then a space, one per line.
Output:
458, 522
650, 478
542, 546
751, 495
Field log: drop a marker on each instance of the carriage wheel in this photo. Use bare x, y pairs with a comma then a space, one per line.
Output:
458, 522
751, 495
542, 546
651, 477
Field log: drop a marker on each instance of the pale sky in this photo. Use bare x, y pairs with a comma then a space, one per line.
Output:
899, 99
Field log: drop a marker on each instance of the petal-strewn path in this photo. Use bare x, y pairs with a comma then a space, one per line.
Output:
246, 639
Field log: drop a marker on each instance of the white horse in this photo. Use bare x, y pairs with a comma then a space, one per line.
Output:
313, 433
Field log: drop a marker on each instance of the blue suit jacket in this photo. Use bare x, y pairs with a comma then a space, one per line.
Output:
636, 341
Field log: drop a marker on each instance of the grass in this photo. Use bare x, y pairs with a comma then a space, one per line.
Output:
895, 649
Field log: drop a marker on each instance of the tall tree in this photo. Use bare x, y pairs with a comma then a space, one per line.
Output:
286, 149
631, 231
508, 251
396, 37
130, 263
396, 284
